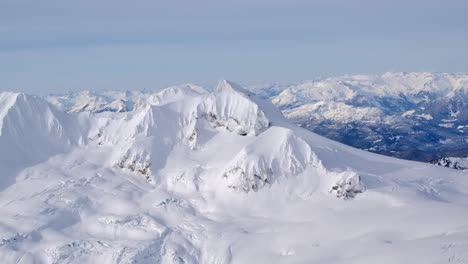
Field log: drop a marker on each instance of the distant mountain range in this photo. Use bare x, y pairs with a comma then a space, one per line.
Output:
416, 116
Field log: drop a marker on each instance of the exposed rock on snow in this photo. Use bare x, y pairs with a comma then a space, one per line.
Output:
453, 163
346, 185
192, 138
73, 188
137, 163
262, 163
232, 107
419, 116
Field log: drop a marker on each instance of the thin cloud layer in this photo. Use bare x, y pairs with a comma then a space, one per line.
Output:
273, 40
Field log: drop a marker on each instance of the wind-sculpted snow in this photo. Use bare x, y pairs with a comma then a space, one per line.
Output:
261, 163
175, 93
346, 185
190, 176
230, 106
31, 131
7, 100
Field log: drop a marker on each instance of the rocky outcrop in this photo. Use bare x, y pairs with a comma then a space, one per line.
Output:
453, 163
346, 185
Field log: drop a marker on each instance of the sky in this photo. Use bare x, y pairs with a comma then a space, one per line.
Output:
53, 46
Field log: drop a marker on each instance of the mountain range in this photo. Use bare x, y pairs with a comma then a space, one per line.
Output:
186, 175
416, 116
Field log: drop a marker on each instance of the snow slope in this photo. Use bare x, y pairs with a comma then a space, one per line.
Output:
31, 130
212, 177
417, 116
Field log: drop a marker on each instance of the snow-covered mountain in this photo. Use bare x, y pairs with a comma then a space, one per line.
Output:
418, 116
190, 176
118, 101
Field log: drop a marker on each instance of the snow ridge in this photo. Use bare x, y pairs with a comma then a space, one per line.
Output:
261, 163
420, 116
31, 127
212, 177
231, 106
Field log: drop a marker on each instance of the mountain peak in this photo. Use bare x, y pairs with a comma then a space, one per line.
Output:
225, 85
7, 100
194, 176
230, 103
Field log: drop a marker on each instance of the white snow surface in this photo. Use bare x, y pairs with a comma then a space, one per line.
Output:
351, 98
192, 176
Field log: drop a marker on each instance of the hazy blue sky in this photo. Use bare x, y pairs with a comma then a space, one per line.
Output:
54, 46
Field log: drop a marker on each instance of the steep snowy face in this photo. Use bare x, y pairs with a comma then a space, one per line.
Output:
176, 120
232, 107
261, 162
145, 134
31, 127
189, 120
7, 100
173, 119
31, 131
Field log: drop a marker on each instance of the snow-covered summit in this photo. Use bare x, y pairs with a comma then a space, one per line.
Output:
211, 177
120, 101
172, 93
7, 100
28, 119
260, 162
31, 130
89, 101
420, 116
235, 108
